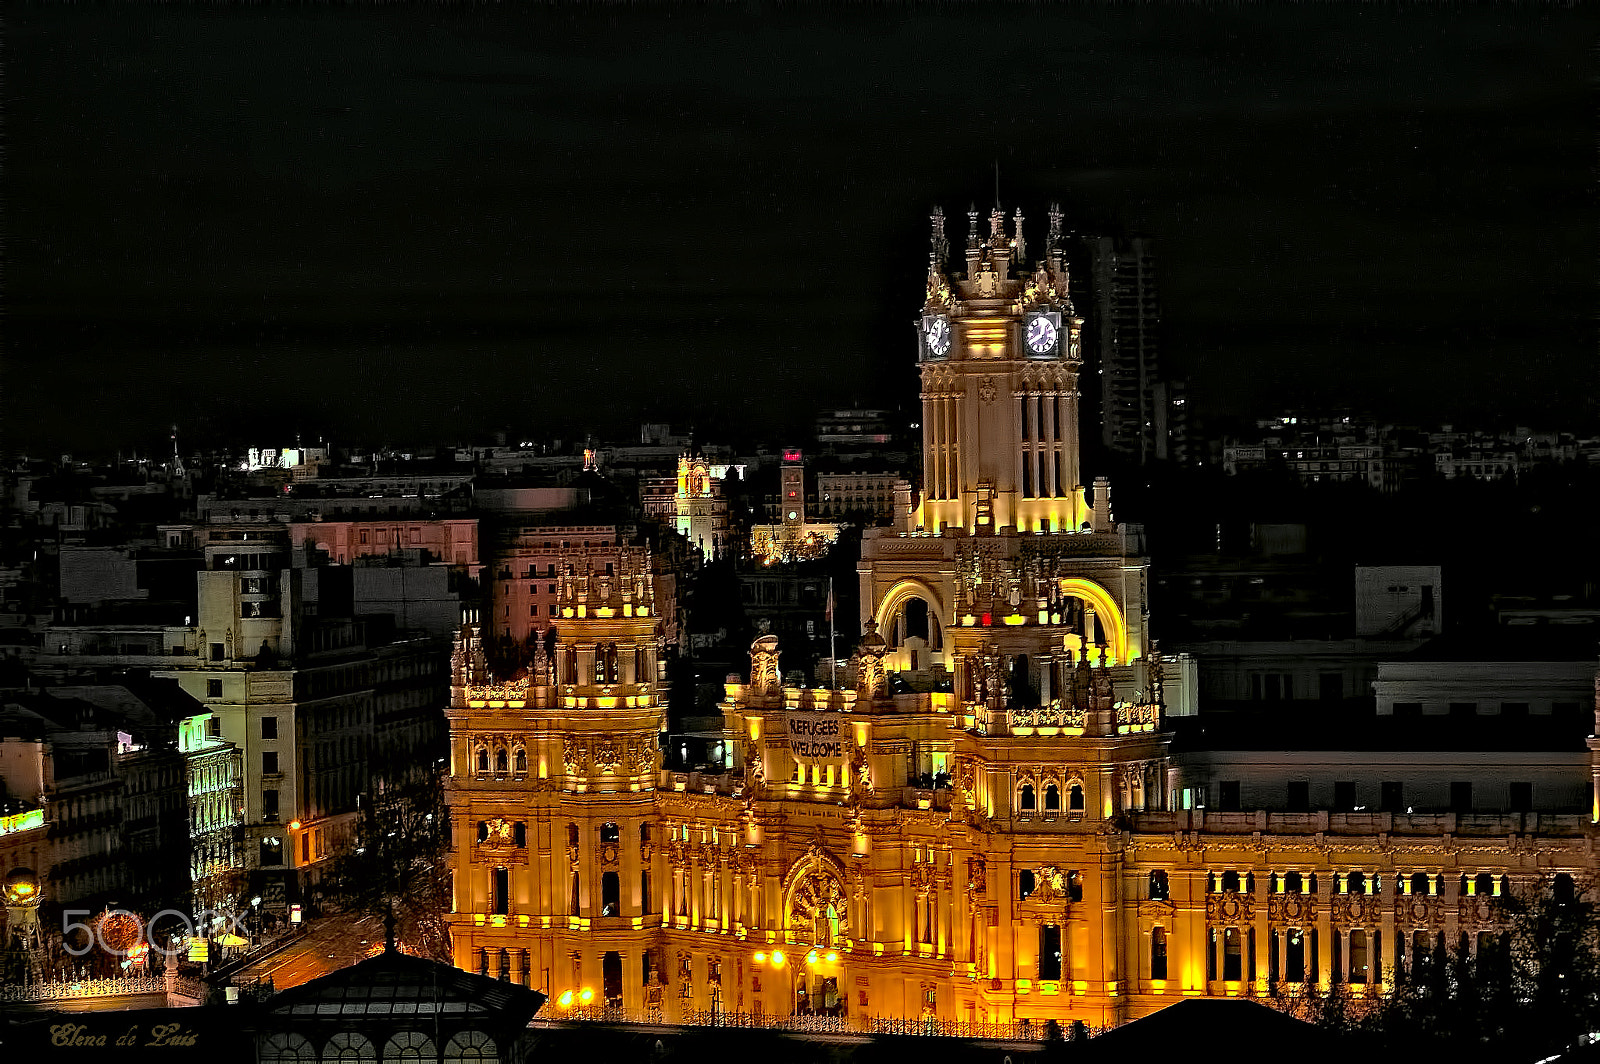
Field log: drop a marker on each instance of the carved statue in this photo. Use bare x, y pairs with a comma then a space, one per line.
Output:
764, 675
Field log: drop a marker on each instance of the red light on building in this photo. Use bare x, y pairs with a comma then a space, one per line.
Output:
791, 456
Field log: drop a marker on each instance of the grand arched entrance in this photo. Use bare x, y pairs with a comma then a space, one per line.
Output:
817, 925
911, 619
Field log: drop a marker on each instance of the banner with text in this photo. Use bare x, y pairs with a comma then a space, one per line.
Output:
817, 738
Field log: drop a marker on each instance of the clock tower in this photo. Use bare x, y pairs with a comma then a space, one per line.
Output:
1008, 557
999, 358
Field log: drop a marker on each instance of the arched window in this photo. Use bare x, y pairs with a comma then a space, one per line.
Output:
471, 1045
283, 1048
1230, 881
1075, 797
1024, 884
1562, 890
350, 1048
409, 1045
1158, 889
500, 763
483, 759
521, 760
1419, 883
1026, 802
1052, 798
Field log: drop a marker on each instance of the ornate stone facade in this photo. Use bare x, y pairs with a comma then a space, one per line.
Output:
1008, 845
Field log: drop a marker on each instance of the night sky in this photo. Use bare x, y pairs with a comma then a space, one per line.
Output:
391, 224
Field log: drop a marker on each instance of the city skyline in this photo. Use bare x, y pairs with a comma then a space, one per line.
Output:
479, 219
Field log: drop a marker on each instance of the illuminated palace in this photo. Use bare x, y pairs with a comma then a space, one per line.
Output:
1010, 834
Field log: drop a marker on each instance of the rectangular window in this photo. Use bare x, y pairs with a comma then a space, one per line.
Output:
1232, 955
1158, 953
1299, 796
1344, 795
1461, 796
1228, 795
502, 891
271, 851
269, 805
216, 651
1521, 797
269, 762
213, 688
1392, 797
1050, 952
269, 727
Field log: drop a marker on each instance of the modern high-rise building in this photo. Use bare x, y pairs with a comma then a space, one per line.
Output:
1122, 311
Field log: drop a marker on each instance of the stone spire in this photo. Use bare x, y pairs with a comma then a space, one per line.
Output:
1016, 236
940, 247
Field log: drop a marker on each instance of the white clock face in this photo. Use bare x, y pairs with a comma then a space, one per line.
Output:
937, 336
1041, 334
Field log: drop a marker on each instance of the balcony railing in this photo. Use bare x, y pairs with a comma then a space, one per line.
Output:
879, 1025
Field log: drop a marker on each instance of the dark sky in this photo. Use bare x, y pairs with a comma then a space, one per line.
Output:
396, 224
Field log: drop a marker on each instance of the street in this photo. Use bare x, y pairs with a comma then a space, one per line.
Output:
333, 942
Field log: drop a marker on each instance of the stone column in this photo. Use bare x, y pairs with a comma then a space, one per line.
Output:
1047, 449
1325, 929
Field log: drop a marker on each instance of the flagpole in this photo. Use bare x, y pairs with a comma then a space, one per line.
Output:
833, 653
